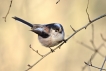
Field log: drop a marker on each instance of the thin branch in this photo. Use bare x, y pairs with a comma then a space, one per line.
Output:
35, 50
93, 55
93, 21
103, 38
87, 11
92, 41
85, 45
90, 60
103, 64
93, 66
92, 32
8, 10
58, 1
44, 57
72, 28
86, 25
31, 66
96, 50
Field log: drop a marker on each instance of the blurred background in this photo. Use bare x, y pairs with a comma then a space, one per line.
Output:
15, 37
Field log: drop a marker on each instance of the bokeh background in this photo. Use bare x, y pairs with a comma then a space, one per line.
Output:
15, 37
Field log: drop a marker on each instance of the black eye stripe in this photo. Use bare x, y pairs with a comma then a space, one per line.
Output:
52, 26
55, 27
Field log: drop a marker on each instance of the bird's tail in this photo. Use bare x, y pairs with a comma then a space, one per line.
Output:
23, 21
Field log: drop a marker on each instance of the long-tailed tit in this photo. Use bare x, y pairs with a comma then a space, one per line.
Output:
49, 35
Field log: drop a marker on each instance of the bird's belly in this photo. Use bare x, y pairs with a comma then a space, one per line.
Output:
50, 41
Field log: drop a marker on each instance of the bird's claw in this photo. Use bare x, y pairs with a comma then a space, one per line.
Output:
65, 41
52, 50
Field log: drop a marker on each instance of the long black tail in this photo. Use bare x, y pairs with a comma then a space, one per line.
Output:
23, 21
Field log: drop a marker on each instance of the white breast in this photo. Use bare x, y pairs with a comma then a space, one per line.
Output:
54, 39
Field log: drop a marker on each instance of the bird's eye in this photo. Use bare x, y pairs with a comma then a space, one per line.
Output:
56, 30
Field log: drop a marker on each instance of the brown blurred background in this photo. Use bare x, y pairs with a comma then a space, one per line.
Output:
15, 37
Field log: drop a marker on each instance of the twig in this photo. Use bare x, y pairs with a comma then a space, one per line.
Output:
95, 49
86, 25
103, 64
8, 10
90, 62
87, 11
35, 50
58, 1
72, 28
92, 41
103, 38
85, 45
67, 40
95, 66
95, 52
44, 57
92, 32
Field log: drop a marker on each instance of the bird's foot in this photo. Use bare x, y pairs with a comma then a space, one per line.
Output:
52, 50
65, 41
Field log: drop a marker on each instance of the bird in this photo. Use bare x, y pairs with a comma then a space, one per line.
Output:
49, 35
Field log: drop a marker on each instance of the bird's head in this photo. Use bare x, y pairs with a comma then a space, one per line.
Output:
55, 26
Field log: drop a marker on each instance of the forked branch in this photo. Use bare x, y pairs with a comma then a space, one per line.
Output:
8, 11
95, 66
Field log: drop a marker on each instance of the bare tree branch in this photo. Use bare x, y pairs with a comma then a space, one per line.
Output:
72, 28
30, 66
94, 54
95, 66
103, 38
92, 40
87, 11
8, 10
67, 40
35, 50
58, 1
92, 32
85, 45
103, 64
86, 25
93, 48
